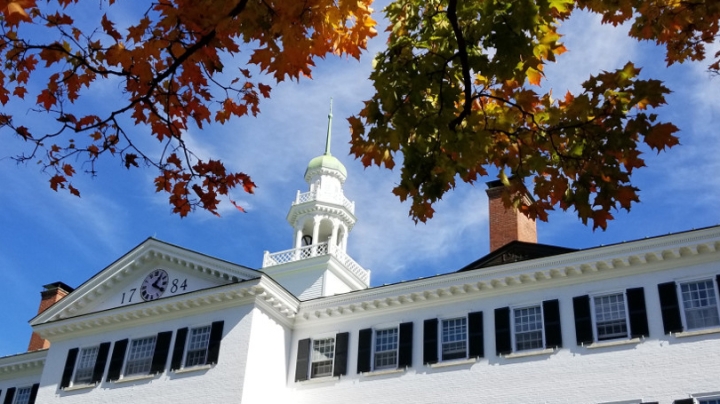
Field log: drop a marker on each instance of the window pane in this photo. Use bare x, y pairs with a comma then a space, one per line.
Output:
454, 338
22, 396
528, 328
140, 356
700, 304
322, 357
610, 318
86, 365
710, 401
197, 346
386, 344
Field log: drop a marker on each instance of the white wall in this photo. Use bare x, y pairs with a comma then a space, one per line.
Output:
221, 383
661, 368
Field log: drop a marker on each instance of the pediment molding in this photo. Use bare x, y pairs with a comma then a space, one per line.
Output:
262, 291
150, 252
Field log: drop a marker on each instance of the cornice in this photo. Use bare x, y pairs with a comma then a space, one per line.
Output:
150, 252
26, 362
276, 300
314, 207
612, 261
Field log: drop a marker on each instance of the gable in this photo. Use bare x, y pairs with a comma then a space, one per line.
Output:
151, 271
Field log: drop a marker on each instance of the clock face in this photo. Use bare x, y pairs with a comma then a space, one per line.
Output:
154, 285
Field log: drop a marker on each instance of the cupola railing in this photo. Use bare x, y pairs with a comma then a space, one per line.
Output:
315, 250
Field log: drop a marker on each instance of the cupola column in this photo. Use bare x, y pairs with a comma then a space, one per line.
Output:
316, 234
334, 236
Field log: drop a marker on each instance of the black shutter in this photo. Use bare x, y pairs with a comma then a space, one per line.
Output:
476, 343
637, 313
303, 360
405, 345
341, 354
33, 393
162, 347
685, 400
117, 359
179, 349
503, 338
669, 307
100, 362
551, 324
216, 334
583, 320
430, 342
69, 367
10, 395
364, 350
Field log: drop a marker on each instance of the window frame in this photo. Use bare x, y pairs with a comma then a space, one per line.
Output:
312, 361
593, 313
149, 359
440, 336
681, 301
23, 389
186, 348
73, 380
374, 352
513, 327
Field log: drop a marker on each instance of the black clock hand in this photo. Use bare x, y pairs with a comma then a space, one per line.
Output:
155, 284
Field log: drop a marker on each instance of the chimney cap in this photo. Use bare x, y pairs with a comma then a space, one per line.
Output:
58, 285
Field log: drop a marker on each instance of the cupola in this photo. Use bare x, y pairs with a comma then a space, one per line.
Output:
322, 218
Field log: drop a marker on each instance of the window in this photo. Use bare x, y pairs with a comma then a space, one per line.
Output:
197, 346
528, 328
699, 304
610, 316
322, 357
140, 356
22, 395
86, 365
709, 401
386, 348
454, 338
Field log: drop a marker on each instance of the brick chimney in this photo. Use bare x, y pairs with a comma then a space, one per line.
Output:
507, 225
50, 295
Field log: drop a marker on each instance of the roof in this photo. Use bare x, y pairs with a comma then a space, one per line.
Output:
516, 251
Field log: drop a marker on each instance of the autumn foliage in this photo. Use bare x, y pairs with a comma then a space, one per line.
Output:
169, 66
458, 91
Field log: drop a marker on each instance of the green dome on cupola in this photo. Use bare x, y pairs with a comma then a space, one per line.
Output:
326, 161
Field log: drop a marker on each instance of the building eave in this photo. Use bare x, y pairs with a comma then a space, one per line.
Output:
27, 362
612, 261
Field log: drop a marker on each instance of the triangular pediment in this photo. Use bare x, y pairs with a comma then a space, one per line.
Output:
151, 271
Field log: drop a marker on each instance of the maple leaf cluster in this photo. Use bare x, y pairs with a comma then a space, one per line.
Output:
169, 64
458, 93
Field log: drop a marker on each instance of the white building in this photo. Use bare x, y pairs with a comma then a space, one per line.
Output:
636, 322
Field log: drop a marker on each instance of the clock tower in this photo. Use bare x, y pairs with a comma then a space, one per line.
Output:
322, 218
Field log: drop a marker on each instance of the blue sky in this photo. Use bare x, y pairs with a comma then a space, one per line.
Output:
47, 236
